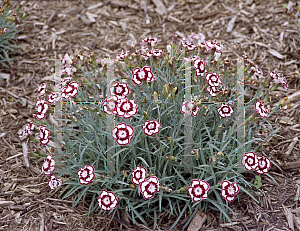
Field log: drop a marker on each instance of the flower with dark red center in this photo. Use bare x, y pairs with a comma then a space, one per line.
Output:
229, 190
264, 164
41, 107
122, 133
149, 53
149, 186
26, 131
209, 45
199, 65
157, 53
70, 91
54, 183
123, 55
250, 161
68, 70
212, 91
86, 174
107, 200
138, 75
64, 81
148, 73
48, 165
126, 108
138, 175
52, 97
193, 58
151, 127
256, 70
143, 50
190, 46
145, 57
187, 107
42, 89
44, 135
217, 56
278, 79
198, 190
259, 106
200, 37
66, 60
195, 110
110, 105
212, 79
22, 134
218, 47
119, 89
150, 41
225, 111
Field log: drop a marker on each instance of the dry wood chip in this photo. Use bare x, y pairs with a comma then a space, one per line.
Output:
231, 24
95, 6
160, 8
204, 16
260, 44
174, 19
276, 54
291, 146
289, 217
5, 76
6, 203
179, 34
197, 222
143, 5
119, 3
91, 16
207, 6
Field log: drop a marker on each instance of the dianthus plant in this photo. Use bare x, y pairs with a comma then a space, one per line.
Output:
146, 108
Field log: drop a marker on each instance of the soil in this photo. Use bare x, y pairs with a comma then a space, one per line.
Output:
260, 29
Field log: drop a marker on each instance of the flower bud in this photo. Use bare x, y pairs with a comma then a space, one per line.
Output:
132, 186
175, 91
219, 153
146, 115
283, 101
167, 189
124, 174
171, 86
168, 139
174, 39
169, 48
214, 160
102, 177
169, 96
165, 90
155, 96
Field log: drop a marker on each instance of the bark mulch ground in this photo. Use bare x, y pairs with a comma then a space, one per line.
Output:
259, 28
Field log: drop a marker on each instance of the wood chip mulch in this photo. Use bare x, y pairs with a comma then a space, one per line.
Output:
259, 28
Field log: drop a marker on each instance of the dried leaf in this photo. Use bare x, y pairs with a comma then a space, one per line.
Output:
276, 54
160, 8
197, 221
231, 24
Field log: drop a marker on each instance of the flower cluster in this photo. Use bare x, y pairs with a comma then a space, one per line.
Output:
189, 108
68, 91
260, 164
118, 104
148, 186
